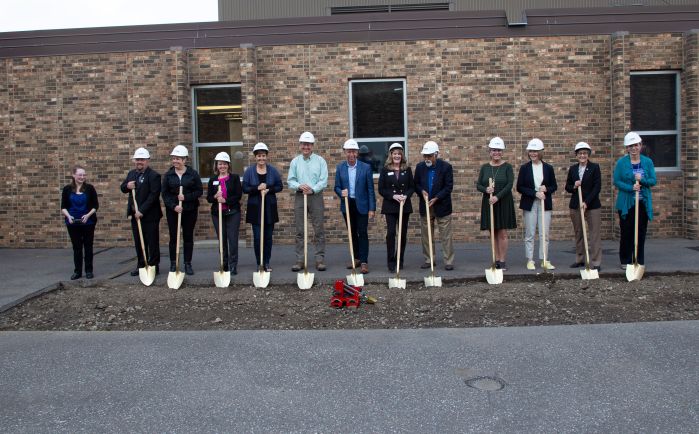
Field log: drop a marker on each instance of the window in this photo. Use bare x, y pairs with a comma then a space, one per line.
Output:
378, 114
218, 126
436, 6
655, 115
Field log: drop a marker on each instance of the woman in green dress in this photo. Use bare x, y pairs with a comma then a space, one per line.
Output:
503, 203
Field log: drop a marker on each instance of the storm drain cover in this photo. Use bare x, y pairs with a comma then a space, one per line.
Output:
488, 384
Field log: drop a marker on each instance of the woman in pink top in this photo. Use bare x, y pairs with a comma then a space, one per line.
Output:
230, 195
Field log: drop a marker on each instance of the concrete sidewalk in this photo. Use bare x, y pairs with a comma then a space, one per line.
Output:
28, 272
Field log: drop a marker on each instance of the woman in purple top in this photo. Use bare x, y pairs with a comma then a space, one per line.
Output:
79, 206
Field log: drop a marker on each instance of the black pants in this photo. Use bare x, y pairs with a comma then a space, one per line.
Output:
231, 226
391, 229
189, 220
360, 235
269, 231
626, 227
150, 238
82, 237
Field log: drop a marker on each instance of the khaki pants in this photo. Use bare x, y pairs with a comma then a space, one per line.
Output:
445, 238
316, 217
592, 219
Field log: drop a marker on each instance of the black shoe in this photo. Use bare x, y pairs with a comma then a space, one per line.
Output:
497, 265
75, 276
577, 264
157, 269
134, 273
234, 271
188, 269
173, 266
448, 267
89, 275
426, 265
597, 267
297, 267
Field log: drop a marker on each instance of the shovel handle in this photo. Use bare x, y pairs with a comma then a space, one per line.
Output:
429, 231
177, 248
635, 227
220, 230
349, 232
263, 193
140, 230
491, 183
584, 227
400, 231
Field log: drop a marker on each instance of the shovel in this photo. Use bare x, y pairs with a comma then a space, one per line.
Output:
430, 280
175, 278
305, 280
542, 231
354, 278
635, 271
221, 278
397, 282
493, 274
261, 278
587, 273
147, 273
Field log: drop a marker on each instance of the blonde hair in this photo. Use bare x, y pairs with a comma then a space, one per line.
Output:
73, 185
389, 161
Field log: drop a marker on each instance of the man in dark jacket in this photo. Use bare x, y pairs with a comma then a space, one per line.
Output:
146, 182
434, 182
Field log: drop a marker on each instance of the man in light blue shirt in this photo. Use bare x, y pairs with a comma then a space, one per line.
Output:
308, 175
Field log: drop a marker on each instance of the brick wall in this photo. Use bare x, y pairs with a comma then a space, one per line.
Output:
96, 109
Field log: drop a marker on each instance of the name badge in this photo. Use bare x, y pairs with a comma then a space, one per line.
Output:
390, 173
215, 183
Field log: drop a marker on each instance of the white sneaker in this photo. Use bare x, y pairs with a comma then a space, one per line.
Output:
547, 265
531, 265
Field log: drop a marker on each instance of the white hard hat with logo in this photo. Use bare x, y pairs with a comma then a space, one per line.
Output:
350, 144
430, 148
496, 143
260, 147
535, 145
179, 151
582, 145
395, 146
141, 153
307, 137
223, 156
631, 139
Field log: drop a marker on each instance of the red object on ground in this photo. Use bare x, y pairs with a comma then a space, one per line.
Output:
345, 295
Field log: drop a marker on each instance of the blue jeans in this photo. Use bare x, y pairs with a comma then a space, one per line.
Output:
269, 230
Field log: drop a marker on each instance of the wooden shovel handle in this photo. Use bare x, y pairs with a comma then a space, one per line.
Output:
429, 231
349, 232
177, 248
263, 193
140, 230
491, 183
584, 227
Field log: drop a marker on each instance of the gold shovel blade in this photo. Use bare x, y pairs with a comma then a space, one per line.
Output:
433, 281
589, 274
493, 276
634, 272
175, 279
260, 279
147, 275
395, 282
355, 279
304, 280
222, 278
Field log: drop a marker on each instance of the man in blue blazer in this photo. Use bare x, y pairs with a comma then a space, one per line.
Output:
354, 179
434, 181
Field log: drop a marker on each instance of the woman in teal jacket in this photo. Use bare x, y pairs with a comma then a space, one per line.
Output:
629, 169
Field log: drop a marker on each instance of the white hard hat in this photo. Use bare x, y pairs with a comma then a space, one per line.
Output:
351, 144
496, 143
223, 156
582, 145
535, 145
395, 146
307, 137
430, 148
260, 147
141, 153
631, 139
180, 151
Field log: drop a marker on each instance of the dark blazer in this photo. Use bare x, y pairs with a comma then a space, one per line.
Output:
442, 187
147, 194
233, 189
251, 180
525, 186
389, 185
90, 194
191, 189
363, 186
591, 185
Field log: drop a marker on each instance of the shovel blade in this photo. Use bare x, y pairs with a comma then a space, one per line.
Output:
634, 272
304, 280
589, 274
433, 281
260, 279
222, 278
493, 276
175, 279
147, 275
355, 279
395, 282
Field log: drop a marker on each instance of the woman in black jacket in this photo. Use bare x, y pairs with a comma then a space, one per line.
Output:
181, 175
396, 185
79, 205
229, 196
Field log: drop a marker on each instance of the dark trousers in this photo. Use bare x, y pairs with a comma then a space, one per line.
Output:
626, 227
150, 238
231, 225
82, 237
189, 220
269, 230
391, 229
360, 235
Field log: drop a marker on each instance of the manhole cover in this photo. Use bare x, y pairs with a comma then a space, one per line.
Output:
489, 384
